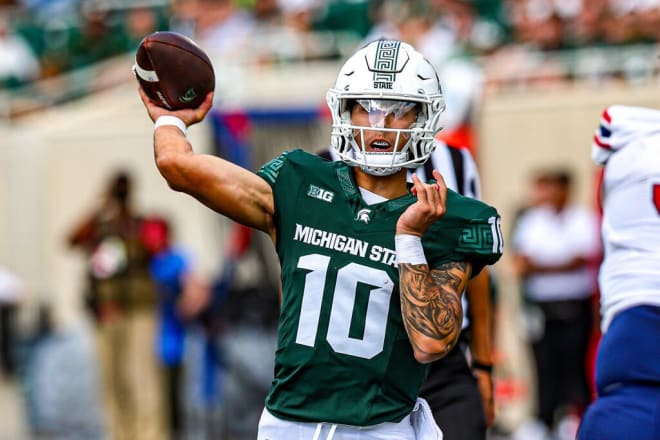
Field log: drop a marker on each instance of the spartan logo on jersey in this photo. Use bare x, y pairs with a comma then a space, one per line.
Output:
363, 215
320, 193
385, 64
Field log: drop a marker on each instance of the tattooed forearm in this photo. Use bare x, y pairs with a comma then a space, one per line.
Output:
431, 304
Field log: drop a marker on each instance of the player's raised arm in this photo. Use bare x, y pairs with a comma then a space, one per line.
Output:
221, 185
430, 298
431, 306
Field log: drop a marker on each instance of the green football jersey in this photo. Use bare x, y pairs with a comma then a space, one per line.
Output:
343, 354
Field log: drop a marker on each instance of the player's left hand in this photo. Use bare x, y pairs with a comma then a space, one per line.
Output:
188, 116
430, 206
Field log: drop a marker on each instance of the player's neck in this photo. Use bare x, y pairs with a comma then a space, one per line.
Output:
389, 187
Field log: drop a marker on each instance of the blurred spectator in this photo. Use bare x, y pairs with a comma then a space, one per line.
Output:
585, 25
388, 19
346, 16
168, 268
18, 62
545, 33
69, 34
538, 23
222, 28
620, 21
264, 44
345, 23
138, 22
266, 12
97, 38
46, 10
183, 14
296, 39
554, 244
519, 42
122, 297
77, 39
554, 24
61, 383
172, 272
11, 294
453, 22
247, 307
438, 28
203, 360
539, 194
291, 35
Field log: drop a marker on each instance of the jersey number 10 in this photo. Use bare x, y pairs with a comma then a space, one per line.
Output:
343, 303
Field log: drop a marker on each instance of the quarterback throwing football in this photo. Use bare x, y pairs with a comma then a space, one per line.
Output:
372, 270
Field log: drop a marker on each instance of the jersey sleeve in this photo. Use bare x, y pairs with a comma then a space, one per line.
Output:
280, 175
470, 232
480, 239
272, 169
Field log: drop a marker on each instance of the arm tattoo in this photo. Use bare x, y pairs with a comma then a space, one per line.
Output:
431, 299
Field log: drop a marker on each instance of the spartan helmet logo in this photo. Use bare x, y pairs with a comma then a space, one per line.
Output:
363, 215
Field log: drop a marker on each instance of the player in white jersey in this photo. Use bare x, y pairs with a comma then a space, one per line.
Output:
627, 143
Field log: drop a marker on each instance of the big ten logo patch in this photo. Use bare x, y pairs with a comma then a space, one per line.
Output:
320, 193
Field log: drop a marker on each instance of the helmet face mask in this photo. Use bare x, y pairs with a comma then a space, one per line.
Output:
388, 79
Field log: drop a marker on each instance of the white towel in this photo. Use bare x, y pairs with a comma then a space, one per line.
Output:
423, 423
621, 125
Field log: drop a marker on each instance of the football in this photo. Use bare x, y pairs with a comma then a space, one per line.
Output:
173, 70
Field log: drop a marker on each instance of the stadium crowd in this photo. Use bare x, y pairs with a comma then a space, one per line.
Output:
41, 39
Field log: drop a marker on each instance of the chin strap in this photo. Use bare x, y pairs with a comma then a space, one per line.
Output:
379, 164
379, 171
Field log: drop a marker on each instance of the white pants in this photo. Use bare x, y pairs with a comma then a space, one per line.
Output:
418, 425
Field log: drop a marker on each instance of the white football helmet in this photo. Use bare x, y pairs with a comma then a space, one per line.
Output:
393, 71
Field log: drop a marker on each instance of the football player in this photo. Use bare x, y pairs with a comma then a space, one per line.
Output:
627, 143
372, 269
459, 387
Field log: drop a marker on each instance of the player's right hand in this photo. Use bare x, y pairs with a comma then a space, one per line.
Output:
430, 206
188, 116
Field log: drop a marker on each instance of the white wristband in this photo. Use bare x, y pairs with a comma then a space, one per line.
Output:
170, 120
409, 249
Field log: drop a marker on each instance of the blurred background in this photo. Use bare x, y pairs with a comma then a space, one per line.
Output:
130, 311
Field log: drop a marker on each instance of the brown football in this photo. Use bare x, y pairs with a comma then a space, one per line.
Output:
173, 70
